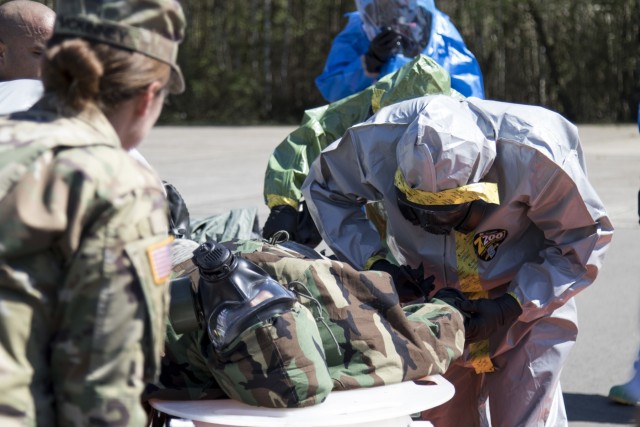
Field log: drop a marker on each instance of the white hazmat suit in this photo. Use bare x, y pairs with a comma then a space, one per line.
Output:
543, 242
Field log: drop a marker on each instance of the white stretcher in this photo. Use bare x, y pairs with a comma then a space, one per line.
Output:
385, 406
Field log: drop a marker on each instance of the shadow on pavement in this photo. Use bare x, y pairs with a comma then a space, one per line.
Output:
598, 409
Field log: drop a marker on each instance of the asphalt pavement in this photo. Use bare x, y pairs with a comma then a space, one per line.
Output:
220, 168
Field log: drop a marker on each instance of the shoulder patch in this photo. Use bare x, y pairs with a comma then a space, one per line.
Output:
159, 256
486, 243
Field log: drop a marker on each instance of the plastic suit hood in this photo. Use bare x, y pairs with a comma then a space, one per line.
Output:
411, 18
442, 151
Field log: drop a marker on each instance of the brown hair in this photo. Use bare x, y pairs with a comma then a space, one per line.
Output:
81, 72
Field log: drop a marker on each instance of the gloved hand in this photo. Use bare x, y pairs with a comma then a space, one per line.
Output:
307, 232
383, 46
410, 283
453, 297
179, 221
283, 217
488, 315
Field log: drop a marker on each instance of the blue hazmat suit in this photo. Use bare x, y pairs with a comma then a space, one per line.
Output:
344, 74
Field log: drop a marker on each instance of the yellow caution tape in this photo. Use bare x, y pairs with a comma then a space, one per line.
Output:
275, 200
467, 263
487, 191
376, 98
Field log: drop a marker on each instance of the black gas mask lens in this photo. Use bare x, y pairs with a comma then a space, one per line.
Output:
442, 219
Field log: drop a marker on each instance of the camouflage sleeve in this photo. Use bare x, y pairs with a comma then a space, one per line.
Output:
368, 338
185, 374
441, 330
276, 362
114, 296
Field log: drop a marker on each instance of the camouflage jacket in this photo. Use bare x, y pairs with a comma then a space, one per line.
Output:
348, 331
83, 268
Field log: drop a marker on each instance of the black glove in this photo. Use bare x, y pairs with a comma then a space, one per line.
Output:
488, 315
383, 46
453, 297
307, 232
283, 217
410, 283
179, 222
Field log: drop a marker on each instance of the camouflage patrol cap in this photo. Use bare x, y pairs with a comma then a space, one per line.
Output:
151, 27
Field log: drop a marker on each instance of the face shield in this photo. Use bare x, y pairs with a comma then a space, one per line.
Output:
151, 27
436, 219
460, 209
409, 18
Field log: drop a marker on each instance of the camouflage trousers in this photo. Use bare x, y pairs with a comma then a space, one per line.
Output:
348, 330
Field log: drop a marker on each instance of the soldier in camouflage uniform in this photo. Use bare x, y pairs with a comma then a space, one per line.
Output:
84, 253
346, 330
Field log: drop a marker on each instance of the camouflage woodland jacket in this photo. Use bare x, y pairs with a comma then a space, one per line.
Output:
347, 331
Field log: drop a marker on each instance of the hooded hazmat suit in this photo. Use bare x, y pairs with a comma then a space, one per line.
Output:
288, 165
543, 240
344, 75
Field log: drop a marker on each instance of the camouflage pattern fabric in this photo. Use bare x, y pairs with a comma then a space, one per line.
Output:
367, 338
278, 364
152, 27
184, 373
84, 263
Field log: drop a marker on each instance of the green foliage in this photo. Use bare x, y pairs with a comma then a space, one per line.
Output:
254, 61
578, 57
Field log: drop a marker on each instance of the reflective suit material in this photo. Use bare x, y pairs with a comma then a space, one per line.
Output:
289, 163
545, 241
364, 337
344, 75
83, 271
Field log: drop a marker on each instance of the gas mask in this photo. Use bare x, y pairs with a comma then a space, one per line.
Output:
442, 219
409, 18
232, 294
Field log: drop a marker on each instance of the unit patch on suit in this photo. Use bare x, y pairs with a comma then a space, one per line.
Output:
486, 243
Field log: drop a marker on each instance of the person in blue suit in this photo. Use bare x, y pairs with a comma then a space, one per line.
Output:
383, 35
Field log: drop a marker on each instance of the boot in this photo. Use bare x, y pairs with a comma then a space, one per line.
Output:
629, 392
